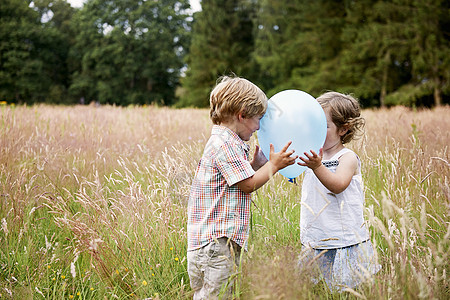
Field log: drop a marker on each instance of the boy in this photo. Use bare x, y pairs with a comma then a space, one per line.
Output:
219, 202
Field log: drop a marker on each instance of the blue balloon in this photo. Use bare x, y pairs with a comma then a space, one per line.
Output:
296, 116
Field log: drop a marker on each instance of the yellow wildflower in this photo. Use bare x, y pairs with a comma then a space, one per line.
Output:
91, 288
144, 282
70, 296
62, 276
176, 258
78, 293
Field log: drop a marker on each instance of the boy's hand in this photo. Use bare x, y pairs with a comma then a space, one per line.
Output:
312, 161
259, 159
283, 158
276, 162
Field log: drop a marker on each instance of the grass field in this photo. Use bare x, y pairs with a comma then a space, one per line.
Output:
93, 206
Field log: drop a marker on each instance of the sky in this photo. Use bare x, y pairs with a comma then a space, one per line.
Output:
195, 4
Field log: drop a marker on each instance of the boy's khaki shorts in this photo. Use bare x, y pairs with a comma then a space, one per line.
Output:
211, 267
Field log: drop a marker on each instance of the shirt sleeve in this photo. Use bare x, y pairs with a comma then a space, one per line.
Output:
232, 162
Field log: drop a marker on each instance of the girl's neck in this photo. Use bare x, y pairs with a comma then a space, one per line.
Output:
330, 151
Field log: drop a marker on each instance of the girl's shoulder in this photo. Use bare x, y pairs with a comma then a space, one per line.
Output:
342, 152
343, 156
350, 159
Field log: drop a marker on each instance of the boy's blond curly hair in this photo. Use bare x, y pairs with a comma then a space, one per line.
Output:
233, 95
345, 113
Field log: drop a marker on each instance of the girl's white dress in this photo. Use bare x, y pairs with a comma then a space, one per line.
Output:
333, 231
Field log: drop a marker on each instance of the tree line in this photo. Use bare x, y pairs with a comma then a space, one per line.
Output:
140, 51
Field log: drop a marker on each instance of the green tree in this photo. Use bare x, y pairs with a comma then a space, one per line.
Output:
55, 44
384, 52
273, 47
322, 22
298, 42
221, 43
20, 66
131, 52
375, 61
431, 49
397, 51
33, 50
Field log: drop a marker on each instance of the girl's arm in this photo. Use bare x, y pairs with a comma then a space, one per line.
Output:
259, 159
276, 162
336, 182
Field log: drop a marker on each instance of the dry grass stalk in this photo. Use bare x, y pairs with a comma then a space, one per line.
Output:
115, 181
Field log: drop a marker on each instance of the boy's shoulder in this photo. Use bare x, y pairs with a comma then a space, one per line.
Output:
224, 135
223, 138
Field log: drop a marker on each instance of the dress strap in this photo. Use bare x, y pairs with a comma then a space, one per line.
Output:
340, 153
335, 158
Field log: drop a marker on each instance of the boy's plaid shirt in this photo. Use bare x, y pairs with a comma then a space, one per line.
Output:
217, 207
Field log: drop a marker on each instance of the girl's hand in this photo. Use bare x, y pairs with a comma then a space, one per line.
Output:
336, 182
312, 161
259, 159
283, 158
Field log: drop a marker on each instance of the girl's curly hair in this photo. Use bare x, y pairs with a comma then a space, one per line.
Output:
345, 113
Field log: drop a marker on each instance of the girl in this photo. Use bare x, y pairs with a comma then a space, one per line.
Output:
332, 227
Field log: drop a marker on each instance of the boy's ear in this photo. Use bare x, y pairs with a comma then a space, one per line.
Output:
241, 116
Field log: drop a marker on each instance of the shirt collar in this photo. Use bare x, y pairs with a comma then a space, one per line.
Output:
227, 133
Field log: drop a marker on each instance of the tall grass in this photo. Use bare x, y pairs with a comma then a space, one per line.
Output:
405, 157
93, 205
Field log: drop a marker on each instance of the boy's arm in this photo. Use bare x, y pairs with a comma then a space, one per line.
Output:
338, 181
276, 162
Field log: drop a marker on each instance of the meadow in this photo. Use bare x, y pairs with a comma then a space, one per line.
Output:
93, 206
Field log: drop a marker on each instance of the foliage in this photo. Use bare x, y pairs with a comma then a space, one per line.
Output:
135, 52
59, 39
294, 46
24, 53
430, 47
122, 52
221, 44
373, 49
131, 51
